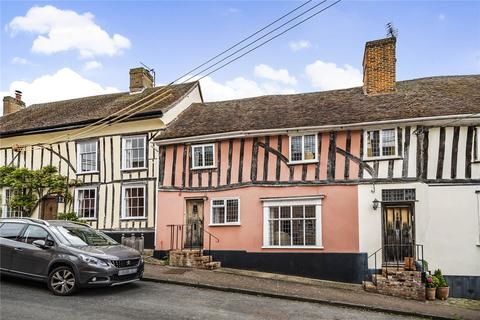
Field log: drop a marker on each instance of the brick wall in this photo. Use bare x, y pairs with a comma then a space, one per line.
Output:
379, 66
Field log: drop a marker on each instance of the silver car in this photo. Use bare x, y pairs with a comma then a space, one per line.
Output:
66, 255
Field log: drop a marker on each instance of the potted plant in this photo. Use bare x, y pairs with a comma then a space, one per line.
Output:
431, 287
442, 290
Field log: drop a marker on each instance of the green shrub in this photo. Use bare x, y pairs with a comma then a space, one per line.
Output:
442, 283
70, 216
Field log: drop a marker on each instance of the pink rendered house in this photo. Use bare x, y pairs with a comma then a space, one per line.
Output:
311, 184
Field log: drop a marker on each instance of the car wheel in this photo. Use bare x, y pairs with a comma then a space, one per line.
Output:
62, 281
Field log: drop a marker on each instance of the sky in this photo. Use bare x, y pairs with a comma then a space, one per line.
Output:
55, 50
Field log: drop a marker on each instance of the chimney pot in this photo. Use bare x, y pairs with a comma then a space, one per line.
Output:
379, 66
140, 79
18, 95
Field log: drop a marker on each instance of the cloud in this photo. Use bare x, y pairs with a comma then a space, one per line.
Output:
233, 11
238, 88
441, 17
18, 60
64, 30
91, 65
280, 75
329, 76
299, 45
63, 84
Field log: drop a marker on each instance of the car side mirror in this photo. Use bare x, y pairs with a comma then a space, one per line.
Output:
43, 244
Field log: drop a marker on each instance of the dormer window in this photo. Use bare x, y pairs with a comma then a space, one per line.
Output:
381, 143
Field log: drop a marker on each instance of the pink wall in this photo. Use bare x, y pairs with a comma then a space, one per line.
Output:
339, 217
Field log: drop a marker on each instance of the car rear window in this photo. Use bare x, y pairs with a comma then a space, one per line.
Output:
11, 230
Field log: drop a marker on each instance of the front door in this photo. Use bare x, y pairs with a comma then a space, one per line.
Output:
49, 208
194, 224
398, 233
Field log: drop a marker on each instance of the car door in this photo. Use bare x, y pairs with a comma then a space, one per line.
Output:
9, 233
28, 258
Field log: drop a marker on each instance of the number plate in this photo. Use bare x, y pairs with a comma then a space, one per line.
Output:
127, 271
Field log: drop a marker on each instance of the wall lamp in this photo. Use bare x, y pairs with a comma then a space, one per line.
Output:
375, 204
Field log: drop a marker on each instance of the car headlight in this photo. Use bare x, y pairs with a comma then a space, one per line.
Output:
92, 260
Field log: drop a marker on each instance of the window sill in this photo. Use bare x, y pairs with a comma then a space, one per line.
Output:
383, 158
233, 224
134, 169
133, 218
290, 163
294, 247
87, 172
203, 168
87, 219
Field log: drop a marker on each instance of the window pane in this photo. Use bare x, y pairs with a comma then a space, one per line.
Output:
208, 150
297, 211
88, 156
285, 212
218, 214
273, 212
310, 238
232, 210
309, 211
285, 232
296, 148
34, 233
134, 202
11, 230
373, 143
86, 200
297, 232
197, 157
274, 232
309, 147
388, 142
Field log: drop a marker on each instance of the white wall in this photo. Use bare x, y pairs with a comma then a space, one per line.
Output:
446, 222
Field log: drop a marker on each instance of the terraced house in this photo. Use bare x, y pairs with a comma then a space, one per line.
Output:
313, 184
116, 163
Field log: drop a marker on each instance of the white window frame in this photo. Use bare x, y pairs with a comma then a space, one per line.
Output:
381, 156
124, 206
124, 155
294, 201
203, 153
5, 209
237, 223
290, 136
77, 206
79, 163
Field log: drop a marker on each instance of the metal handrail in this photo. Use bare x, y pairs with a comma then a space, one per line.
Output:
417, 248
176, 232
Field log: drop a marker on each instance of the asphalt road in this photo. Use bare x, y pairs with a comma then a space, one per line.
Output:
21, 299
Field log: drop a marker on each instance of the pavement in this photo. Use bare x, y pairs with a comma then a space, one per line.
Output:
306, 290
28, 300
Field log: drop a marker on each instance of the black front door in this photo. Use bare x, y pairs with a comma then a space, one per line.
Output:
398, 233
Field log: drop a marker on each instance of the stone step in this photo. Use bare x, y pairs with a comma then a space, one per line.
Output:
213, 265
204, 258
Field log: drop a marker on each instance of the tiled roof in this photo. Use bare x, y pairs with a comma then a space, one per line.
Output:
426, 97
85, 110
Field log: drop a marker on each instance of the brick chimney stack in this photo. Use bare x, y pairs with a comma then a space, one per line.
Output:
140, 79
11, 105
379, 66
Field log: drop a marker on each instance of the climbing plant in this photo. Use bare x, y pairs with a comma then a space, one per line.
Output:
28, 187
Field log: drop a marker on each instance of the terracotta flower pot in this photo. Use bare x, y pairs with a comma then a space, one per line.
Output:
430, 293
442, 293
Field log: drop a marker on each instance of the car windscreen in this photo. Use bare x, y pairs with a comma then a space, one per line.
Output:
83, 236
